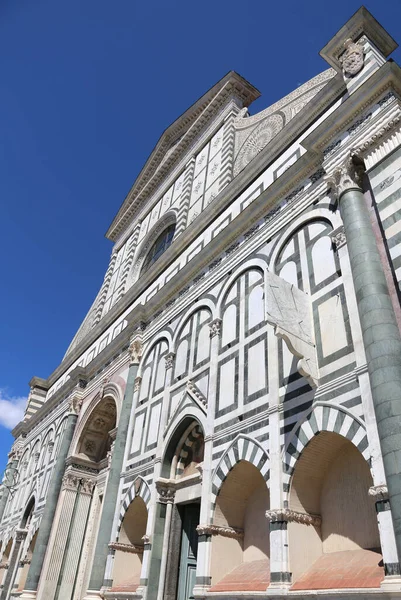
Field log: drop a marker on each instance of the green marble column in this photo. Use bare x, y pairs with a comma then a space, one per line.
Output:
8, 482
380, 332
46, 523
111, 496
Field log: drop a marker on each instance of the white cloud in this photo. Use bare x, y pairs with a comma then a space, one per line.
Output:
11, 409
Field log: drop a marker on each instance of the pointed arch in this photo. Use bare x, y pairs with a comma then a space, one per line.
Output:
242, 448
138, 488
323, 417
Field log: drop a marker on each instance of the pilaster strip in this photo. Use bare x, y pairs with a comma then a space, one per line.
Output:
185, 198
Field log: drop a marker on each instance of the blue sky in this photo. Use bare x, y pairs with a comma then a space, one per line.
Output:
86, 89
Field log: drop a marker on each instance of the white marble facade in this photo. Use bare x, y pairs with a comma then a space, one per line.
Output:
252, 457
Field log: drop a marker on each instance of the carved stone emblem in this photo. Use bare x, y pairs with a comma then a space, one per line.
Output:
215, 327
353, 58
338, 238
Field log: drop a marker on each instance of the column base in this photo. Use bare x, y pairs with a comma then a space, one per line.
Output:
28, 595
391, 583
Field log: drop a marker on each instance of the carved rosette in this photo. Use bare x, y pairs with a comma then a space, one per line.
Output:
338, 238
346, 177
293, 516
229, 532
353, 58
166, 493
135, 351
215, 328
169, 360
378, 492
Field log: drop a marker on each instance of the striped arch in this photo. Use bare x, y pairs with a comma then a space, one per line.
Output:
323, 417
242, 448
192, 436
140, 488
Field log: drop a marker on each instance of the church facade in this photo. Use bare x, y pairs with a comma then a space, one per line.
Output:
226, 422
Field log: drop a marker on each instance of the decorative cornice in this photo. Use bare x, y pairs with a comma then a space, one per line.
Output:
130, 548
225, 531
378, 138
293, 516
195, 391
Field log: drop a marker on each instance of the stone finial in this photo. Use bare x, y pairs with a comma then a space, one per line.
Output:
347, 176
135, 351
353, 59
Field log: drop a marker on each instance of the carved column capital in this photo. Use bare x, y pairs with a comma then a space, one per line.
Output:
379, 492
20, 534
137, 384
169, 360
135, 351
347, 176
166, 493
338, 238
70, 482
75, 402
215, 328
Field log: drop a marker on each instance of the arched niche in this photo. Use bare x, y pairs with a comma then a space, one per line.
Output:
240, 532
95, 440
329, 486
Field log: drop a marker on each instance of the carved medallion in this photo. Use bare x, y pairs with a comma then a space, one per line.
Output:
353, 58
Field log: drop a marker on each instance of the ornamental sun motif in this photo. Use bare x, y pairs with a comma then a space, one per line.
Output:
353, 58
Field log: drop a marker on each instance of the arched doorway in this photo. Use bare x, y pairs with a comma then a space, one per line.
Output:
338, 546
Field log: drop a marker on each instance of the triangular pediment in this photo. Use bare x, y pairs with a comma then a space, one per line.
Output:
176, 140
191, 398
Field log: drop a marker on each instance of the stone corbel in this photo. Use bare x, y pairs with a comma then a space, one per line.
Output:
293, 516
224, 531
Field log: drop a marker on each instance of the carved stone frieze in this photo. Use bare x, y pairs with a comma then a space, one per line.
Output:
293, 516
353, 58
347, 176
338, 238
224, 531
130, 548
215, 328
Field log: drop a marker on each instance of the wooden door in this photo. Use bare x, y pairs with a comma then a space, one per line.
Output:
189, 551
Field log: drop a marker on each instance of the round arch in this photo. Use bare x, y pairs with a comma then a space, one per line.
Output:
164, 336
318, 214
205, 303
252, 264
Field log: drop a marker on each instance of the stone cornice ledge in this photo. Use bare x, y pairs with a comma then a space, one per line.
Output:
130, 548
293, 516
